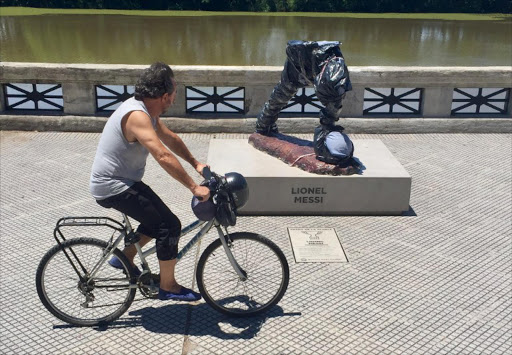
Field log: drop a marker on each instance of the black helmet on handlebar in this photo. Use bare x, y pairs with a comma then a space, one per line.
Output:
232, 194
229, 192
238, 188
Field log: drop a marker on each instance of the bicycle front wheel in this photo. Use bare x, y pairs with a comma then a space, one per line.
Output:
84, 300
263, 262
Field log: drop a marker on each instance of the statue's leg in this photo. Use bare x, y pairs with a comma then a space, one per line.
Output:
330, 87
279, 98
330, 114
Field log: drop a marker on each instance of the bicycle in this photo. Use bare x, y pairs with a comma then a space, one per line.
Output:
77, 285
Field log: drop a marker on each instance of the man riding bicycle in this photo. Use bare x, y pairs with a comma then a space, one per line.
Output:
132, 132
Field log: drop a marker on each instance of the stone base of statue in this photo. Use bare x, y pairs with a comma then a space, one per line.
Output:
382, 186
299, 153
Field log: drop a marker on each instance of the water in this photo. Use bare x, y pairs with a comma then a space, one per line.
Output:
250, 39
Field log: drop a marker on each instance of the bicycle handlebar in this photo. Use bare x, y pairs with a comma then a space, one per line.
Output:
207, 173
214, 181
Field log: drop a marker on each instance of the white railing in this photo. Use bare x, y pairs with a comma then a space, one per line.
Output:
429, 92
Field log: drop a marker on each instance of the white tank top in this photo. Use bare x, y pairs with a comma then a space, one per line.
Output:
118, 164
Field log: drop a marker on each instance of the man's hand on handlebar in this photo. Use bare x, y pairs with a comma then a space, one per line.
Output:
201, 192
199, 168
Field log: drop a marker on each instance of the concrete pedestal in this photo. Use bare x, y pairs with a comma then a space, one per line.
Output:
383, 187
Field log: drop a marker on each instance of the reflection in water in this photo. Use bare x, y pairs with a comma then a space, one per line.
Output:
249, 40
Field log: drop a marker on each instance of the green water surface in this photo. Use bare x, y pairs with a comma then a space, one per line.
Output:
212, 38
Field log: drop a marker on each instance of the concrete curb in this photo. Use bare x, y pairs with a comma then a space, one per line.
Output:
286, 124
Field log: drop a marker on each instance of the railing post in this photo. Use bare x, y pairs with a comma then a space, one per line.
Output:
255, 98
79, 98
179, 108
437, 102
2, 98
353, 103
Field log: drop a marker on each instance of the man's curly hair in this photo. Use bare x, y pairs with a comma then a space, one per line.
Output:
154, 82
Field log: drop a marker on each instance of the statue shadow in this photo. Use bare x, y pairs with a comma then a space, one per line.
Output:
362, 167
294, 140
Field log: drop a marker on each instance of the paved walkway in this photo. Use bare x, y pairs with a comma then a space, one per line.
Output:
436, 280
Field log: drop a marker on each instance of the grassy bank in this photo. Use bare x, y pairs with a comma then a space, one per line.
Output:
27, 11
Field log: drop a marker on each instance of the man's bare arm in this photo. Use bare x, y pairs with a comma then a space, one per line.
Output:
139, 125
175, 144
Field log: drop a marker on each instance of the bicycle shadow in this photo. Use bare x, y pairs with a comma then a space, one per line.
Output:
198, 320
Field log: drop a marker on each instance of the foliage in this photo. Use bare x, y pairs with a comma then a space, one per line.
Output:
449, 6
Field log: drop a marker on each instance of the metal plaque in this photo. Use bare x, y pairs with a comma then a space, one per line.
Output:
316, 245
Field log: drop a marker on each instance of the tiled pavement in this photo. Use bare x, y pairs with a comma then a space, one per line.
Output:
436, 280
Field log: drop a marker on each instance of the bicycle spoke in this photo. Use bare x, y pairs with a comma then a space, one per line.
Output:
224, 281
224, 290
107, 295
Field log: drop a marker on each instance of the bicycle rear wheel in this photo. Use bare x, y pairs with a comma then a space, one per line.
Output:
84, 301
267, 275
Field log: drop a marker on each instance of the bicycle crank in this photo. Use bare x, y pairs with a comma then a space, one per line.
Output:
149, 284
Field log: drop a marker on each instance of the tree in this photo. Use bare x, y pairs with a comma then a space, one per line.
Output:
471, 6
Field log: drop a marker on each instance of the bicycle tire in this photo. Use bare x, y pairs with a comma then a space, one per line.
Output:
258, 257
58, 284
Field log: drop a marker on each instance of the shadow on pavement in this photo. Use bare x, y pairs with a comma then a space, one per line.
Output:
409, 213
201, 319
196, 320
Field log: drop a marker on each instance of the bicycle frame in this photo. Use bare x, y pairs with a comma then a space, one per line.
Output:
125, 229
205, 229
